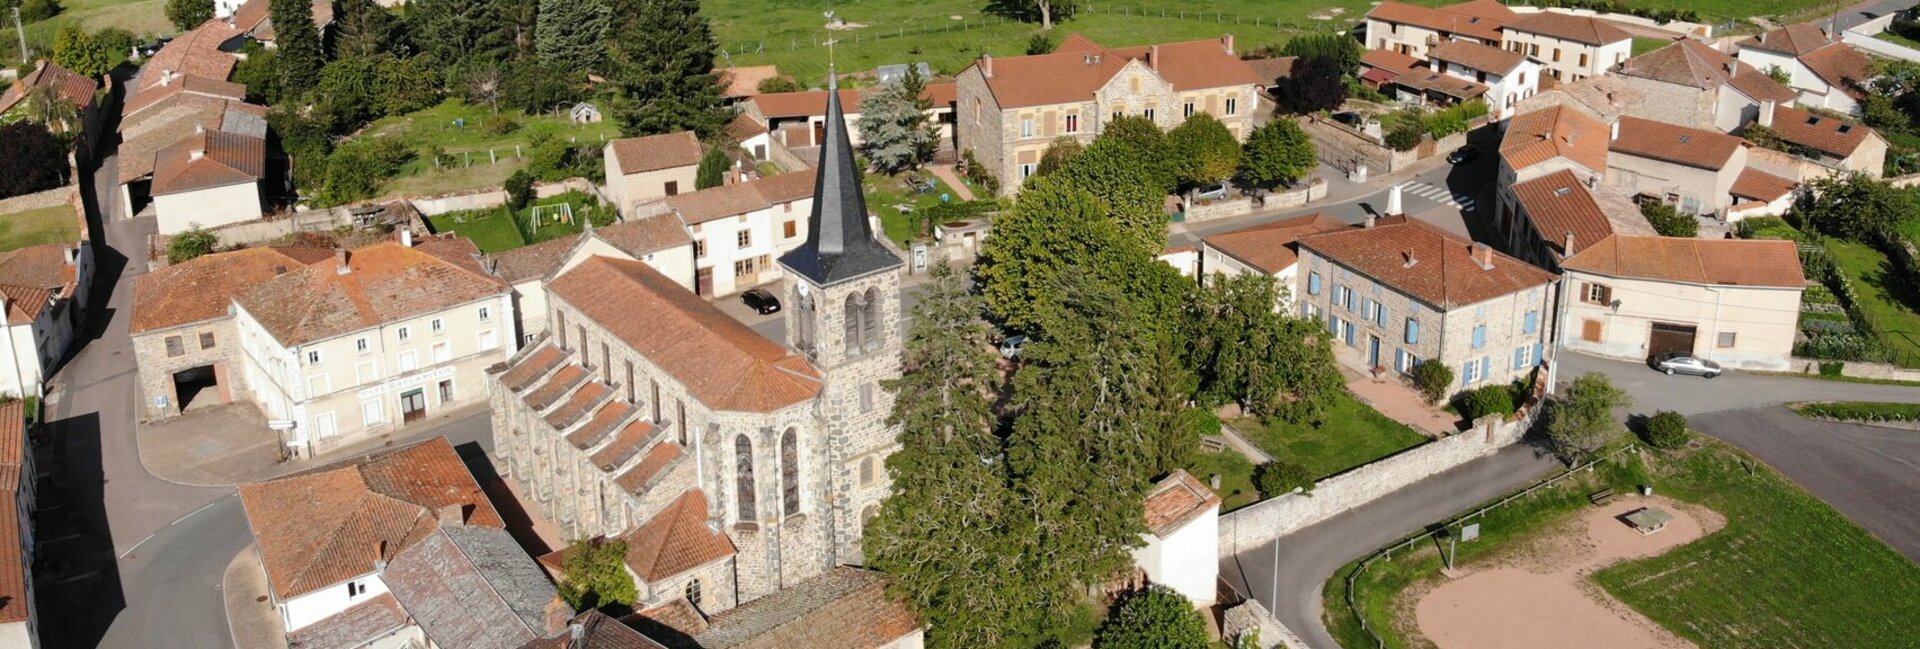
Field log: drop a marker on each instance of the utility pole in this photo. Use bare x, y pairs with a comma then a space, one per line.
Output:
22, 31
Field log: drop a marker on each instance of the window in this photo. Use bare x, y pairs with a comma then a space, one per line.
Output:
699, 252
438, 326
1380, 314
680, 419
1532, 322
630, 389
489, 339
442, 352
206, 340
1026, 127
1583, 59
371, 414
486, 314
174, 348
356, 589
1413, 331
791, 229
866, 471
1479, 336
1073, 123
1556, 55
1026, 171
1366, 309
1533, 49
1727, 338
789, 473
404, 334
410, 360
1522, 355
693, 592
743, 268
319, 384
743, 239
743, 479
313, 357
1148, 113
1313, 283
672, 188
446, 391
1119, 113
360, 345
366, 371
870, 334
1187, 111
1596, 293
606, 362
1470, 372
1590, 330
1233, 105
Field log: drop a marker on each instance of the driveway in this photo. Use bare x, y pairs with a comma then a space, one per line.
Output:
1734, 390
1871, 474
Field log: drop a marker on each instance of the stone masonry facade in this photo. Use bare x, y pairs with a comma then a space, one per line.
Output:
159, 395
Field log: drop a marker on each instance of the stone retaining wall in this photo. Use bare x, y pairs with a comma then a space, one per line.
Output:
495, 197
38, 200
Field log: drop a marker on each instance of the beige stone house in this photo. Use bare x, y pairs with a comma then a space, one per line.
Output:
735, 467
1557, 140
1560, 214
739, 230
1403, 292
1267, 249
1734, 301
1828, 74
1691, 84
1009, 109
1819, 145
208, 179
645, 169
1412, 29
1691, 168
660, 241
1570, 47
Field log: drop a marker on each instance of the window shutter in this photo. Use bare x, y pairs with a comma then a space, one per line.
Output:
1537, 358
1590, 331
1533, 321
1520, 357
1313, 283
1606, 294
1486, 366
1413, 331
1466, 373
1479, 336
1586, 292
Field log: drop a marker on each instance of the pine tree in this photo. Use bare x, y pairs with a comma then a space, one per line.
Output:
300, 54
894, 133
948, 533
712, 171
661, 63
573, 33
457, 32
364, 29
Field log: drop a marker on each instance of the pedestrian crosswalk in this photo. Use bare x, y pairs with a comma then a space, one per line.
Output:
1440, 195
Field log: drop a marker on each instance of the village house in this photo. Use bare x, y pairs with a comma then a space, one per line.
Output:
1805, 145
252, 20
736, 468
738, 230
191, 148
1559, 214
843, 607
1266, 249
1691, 84
1827, 73
1692, 169
1011, 109
1733, 301
1570, 47
66, 85
1560, 141
19, 611
43, 293
1504, 78
740, 82
1412, 29
641, 170
1401, 292
660, 241
208, 179
1379, 68
800, 118
753, 138
1182, 543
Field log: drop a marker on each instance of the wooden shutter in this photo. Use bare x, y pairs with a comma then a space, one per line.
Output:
1590, 331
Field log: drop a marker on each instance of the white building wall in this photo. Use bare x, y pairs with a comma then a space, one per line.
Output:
1188, 560
17, 636
317, 605
1763, 320
766, 241
207, 208
1569, 67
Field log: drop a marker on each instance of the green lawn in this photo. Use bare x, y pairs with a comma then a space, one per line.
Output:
1643, 44
1887, 301
57, 224
491, 230
1351, 434
884, 192
144, 18
1787, 571
1236, 476
483, 157
1898, 39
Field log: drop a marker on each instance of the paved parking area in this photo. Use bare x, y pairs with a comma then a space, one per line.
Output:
230, 444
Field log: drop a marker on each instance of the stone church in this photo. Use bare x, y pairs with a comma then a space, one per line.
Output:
732, 466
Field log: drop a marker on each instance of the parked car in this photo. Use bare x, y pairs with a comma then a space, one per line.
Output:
1685, 363
1349, 118
1211, 192
1010, 348
760, 301
1464, 154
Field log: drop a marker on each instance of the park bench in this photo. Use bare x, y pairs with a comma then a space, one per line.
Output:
1601, 497
1213, 444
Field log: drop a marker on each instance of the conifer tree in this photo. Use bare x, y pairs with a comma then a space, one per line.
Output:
573, 33
661, 63
300, 54
894, 134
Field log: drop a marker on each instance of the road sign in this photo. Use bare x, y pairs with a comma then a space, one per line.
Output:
1470, 532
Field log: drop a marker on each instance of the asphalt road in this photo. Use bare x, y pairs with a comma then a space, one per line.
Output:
1734, 390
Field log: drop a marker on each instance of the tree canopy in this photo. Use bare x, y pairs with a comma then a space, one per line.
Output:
88, 54
35, 160
895, 134
1155, 617
1339, 48
1851, 206
188, 14
1204, 151
713, 168
595, 576
572, 34
1058, 152
1317, 83
1249, 354
1580, 422
300, 53
661, 65
1279, 152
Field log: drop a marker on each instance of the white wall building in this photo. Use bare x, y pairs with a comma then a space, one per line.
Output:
1569, 47
1182, 548
1508, 76
1733, 301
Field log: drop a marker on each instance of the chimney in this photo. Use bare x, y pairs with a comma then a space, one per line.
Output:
1394, 207
72, 253
341, 256
1226, 41
1407, 260
1766, 113
166, 76
1370, 220
197, 153
986, 65
454, 515
578, 632
406, 237
1733, 68
1568, 248
1153, 57
1483, 255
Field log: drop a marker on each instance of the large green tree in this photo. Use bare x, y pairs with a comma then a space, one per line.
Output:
948, 533
573, 33
1338, 47
461, 32
712, 171
35, 159
1156, 617
188, 14
1851, 206
364, 29
1580, 420
661, 65
84, 53
1204, 151
301, 54
1317, 83
595, 576
1247, 353
1058, 152
1279, 152
895, 135
1129, 182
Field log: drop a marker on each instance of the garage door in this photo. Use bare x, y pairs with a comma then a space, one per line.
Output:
1669, 337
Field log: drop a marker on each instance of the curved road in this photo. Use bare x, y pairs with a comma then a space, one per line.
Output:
1737, 407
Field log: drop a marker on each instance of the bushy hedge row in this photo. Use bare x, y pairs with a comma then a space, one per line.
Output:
1861, 411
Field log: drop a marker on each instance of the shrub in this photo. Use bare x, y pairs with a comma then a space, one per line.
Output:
1667, 429
1861, 411
190, 244
1281, 477
780, 83
519, 190
1669, 222
1487, 400
1832, 368
500, 125
1433, 379
1156, 617
1202, 421
1405, 137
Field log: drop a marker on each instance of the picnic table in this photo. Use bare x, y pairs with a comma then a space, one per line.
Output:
1649, 520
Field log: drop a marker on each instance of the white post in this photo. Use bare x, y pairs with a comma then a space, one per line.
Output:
1394, 201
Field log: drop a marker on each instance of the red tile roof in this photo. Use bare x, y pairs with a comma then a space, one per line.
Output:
201, 289
637, 238
1424, 80
583, 401
648, 471
323, 526
532, 366
1388, 60
349, 629
1692, 63
1762, 186
1075, 74
597, 631
724, 364
1792, 40
385, 282
66, 84
253, 18
13, 560
1467, 18
1729, 262
195, 53
176, 117
1489, 9
556, 387
675, 540
632, 438
609, 419
25, 303
1485, 58
646, 236
42, 266
655, 152
744, 127
1842, 67
1693, 147
744, 81
1579, 29
1830, 135
1269, 247
1559, 204
1443, 271
1177, 500
844, 607
209, 159
813, 103
727, 201
1555, 132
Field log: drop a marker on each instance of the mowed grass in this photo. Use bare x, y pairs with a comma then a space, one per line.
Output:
490, 230
885, 192
483, 157
1349, 435
1788, 570
1236, 476
1887, 300
56, 224
145, 18
1643, 44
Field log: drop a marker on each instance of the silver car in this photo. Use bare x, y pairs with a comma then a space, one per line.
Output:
1685, 363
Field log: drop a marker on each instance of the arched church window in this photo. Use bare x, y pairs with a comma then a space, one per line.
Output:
790, 473
870, 321
743, 478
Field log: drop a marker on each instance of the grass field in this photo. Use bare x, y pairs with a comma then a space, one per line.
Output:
492, 231
141, 17
884, 192
56, 224
1349, 435
1787, 571
1886, 300
1898, 39
1643, 45
484, 158
1236, 476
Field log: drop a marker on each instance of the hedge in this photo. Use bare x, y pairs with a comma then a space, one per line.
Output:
1861, 411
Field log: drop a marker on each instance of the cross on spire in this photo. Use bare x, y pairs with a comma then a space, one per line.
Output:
840, 244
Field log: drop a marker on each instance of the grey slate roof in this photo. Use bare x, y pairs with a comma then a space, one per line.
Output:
840, 244
472, 587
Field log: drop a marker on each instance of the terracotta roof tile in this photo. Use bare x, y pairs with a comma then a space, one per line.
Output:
527, 263
625, 446
319, 527
1272, 69
194, 53
209, 159
1194, 65
386, 282
675, 616
726, 201
556, 387
1759, 185
178, 117
813, 103
1177, 500
42, 266
844, 607
1470, 19
1489, 9
13, 562
744, 127
724, 364
675, 540
1842, 67
1692, 63
655, 152
1443, 273
597, 632
1729, 262
1388, 60
1792, 40
1831, 135
654, 464
1555, 132
1269, 247
1579, 29
646, 236
194, 86
25, 303
1075, 74
1606, 97
610, 418
67, 84
532, 366
744, 81
254, 19
637, 238
583, 401
1677, 144
1559, 204
203, 288
1424, 80
350, 629
1485, 58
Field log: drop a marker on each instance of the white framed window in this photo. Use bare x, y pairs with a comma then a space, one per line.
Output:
366, 371
1233, 105
442, 352
1727, 339
372, 413
489, 339
319, 384
1073, 123
439, 326
1026, 170
410, 360
313, 357
1188, 110
1026, 127
360, 345
486, 313
1148, 113
404, 334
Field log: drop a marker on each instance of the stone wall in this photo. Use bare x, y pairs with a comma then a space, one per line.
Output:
485, 198
1343, 147
1264, 521
49, 198
1313, 190
1860, 370
1252, 617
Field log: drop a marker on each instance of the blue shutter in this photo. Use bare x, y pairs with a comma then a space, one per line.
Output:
1486, 367
1466, 373
1380, 316
1399, 360
1313, 283
1537, 358
1413, 331
1533, 321
1479, 336
1520, 357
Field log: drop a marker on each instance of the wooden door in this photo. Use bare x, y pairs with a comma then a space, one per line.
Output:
1667, 337
413, 406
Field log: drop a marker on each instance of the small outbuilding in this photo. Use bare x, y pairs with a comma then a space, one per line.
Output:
585, 113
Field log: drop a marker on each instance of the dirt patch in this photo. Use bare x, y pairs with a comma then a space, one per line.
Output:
1539, 595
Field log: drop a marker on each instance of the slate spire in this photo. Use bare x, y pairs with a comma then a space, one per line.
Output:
840, 244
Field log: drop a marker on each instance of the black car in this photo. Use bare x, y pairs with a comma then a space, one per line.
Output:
760, 301
1465, 153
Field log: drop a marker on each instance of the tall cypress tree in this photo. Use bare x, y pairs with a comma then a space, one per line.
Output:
573, 33
661, 60
457, 32
300, 55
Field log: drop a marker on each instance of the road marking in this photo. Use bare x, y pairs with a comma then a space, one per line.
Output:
176, 521
136, 546
1440, 195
